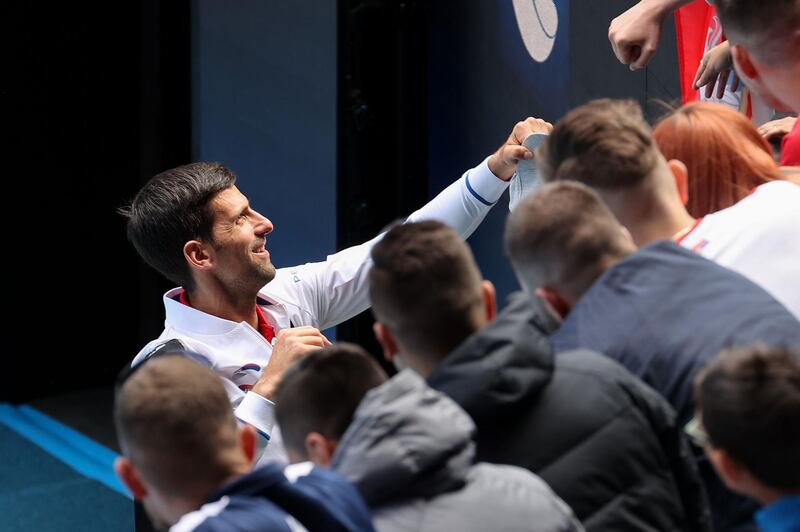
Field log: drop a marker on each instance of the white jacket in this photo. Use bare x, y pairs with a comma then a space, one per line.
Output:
321, 295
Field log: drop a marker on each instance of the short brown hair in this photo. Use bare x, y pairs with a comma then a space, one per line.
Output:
425, 287
560, 235
321, 392
175, 423
605, 144
749, 404
769, 30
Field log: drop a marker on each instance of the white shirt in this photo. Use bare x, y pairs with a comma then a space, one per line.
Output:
758, 237
321, 295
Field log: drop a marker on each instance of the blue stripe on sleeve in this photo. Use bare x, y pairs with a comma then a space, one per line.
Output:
477, 196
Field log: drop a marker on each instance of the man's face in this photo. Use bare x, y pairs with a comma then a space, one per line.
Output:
241, 259
777, 85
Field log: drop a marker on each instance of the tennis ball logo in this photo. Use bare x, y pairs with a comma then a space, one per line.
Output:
538, 24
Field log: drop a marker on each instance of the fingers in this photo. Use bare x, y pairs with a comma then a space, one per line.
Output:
700, 78
645, 54
735, 82
722, 83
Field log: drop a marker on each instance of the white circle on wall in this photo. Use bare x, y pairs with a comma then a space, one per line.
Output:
538, 25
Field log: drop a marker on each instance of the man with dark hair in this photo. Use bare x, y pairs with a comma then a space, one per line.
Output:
765, 39
661, 311
248, 320
184, 457
607, 145
529, 406
408, 449
748, 413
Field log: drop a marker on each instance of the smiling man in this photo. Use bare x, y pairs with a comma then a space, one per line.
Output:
249, 320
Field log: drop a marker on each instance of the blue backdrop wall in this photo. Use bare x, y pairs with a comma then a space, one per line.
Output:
264, 104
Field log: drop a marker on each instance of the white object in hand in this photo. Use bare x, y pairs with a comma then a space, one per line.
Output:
527, 178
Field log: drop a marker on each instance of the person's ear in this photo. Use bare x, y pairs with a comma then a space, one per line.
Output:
320, 449
130, 477
489, 299
627, 234
731, 473
248, 442
553, 300
198, 254
745, 65
681, 175
387, 341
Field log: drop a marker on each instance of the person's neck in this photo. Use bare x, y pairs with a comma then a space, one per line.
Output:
225, 304
658, 222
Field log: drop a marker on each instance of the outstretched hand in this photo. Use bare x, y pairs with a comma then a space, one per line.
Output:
782, 126
715, 68
503, 163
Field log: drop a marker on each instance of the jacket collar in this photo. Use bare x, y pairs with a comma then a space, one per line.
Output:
189, 319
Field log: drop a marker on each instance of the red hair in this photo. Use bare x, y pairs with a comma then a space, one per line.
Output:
725, 155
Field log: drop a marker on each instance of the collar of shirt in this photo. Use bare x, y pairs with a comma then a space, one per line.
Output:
782, 515
264, 327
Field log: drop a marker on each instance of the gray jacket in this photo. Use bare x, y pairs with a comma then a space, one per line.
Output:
409, 451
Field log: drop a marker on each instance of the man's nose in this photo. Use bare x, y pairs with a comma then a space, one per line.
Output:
263, 225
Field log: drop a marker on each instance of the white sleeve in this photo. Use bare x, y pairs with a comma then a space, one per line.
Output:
336, 290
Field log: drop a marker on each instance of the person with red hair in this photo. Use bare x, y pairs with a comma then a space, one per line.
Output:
725, 155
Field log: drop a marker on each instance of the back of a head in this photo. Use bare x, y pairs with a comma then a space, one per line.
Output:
563, 236
604, 144
770, 30
724, 153
425, 287
321, 392
749, 402
174, 422
171, 209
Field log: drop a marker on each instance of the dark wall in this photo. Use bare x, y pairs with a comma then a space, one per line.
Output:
93, 104
482, 81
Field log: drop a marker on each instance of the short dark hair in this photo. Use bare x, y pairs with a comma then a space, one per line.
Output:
320, 393
769, 30
560, 235
175, 423
171, 209
425, 286
749, 403
605, 144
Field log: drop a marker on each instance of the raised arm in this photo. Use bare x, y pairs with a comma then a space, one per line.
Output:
336, 289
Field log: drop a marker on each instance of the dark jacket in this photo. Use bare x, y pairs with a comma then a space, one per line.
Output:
410, 452
663, 313
605, 442
266, 500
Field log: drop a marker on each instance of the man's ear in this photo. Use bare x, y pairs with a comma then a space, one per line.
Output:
387, 341
130, 477
681, 175
198, 254
320, 449
559, 306
489, 299
745, 66
731, 473
247, 442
